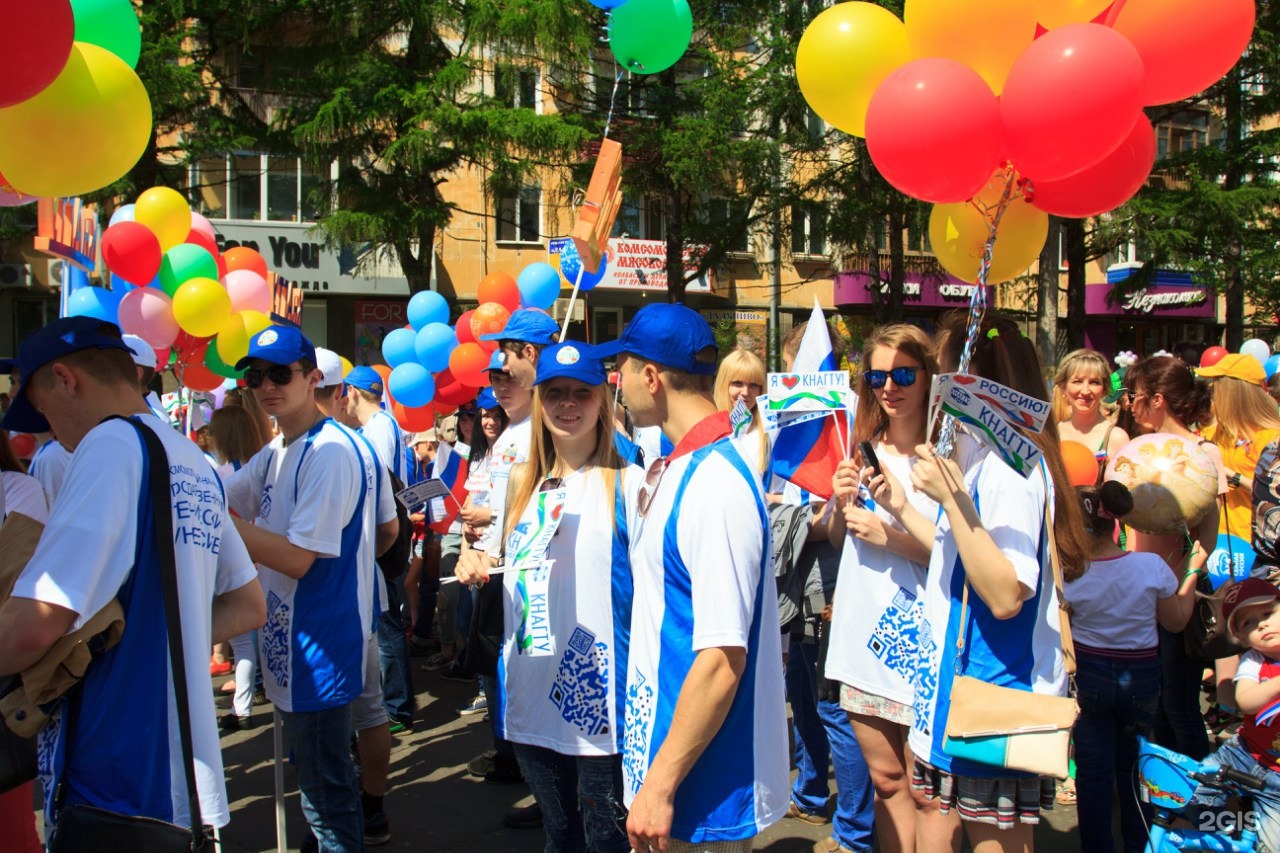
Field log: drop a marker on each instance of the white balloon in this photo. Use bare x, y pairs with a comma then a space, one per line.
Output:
1256, 348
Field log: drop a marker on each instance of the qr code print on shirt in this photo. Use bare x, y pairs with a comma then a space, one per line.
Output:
926, 679
895, 640
581, 686
275, 639
639, 723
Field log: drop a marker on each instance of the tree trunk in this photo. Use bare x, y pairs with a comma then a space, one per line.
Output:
1047, 298
1232, 124
1077, 258
675, 245
897, 262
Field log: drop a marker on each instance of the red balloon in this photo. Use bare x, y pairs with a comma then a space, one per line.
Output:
951, 160
1186, 45
131, 251
463, 328
451, 392
1212, 356
1105, 185
414, 420
197, 377
162, 358
203, 240
23, 444
37, 42
500, 288
244, 258
443, 410
470, 364
190, 348
1071, 99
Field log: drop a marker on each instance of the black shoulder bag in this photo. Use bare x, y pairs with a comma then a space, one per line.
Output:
87, 829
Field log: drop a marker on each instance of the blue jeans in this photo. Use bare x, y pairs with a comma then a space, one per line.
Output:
580, 797
393, 654
321, 743
1266, 803
489, 686
822, 735
1118, 700
428, 591
1180, 724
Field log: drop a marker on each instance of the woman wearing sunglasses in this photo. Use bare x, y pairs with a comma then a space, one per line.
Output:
880, 588
567, 584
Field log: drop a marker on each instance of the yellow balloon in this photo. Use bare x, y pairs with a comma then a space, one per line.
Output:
234, 336
843, 56
347, 366
1052, 14
986, 35
201, 307
958, 233
167, 214
85, 130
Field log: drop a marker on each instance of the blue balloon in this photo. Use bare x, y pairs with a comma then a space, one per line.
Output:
427, 307
607, 4
397, 347
433, 344
1272, 365
97, 302
591, 279
539, 285
123, 213
411, 384
1231, 557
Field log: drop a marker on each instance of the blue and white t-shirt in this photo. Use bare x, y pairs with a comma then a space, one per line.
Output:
49, 466
1024, 652
564, 651
703, 575
326, 493
387, 439
122, 751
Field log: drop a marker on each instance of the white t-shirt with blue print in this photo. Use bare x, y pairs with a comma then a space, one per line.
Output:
387, 439
703, 575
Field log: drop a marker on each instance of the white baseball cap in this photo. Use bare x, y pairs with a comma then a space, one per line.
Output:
143, 354
330, 364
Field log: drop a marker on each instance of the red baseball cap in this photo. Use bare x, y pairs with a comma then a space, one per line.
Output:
1248, 592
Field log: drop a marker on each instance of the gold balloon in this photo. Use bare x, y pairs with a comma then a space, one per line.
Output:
843, 56
1058, 13
986, 35
958, 233
84, 131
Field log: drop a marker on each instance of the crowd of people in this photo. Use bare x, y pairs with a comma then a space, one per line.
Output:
638, 596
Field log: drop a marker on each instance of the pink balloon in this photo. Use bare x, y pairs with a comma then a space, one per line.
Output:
1071, 98
248, 290
204, 226
148, 313
1107, 184
948, 157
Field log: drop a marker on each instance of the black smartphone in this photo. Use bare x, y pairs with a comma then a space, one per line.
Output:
869, 459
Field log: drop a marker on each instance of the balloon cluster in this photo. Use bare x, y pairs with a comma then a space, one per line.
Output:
74, 116
1254, 347
435, 367
957, 89
175, 290
648, 36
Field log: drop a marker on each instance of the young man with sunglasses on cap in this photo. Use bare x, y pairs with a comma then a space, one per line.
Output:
114, 741
321, 509
705, 763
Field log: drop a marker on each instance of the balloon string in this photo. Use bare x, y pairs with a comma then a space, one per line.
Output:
612, 97
978, 299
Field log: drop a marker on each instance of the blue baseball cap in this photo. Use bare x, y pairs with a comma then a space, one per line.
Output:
278, 344
572, 360
671, 335
60, 338
486, 400
498, 361
527, 325
366, 379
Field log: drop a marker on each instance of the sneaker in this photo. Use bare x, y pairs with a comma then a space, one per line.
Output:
794, 811
477, 705
437, 661
232, 723
504, 773
453, 672
376, 829
398, 726
216, 669
528, 817
830, 845
260, 697
481, 764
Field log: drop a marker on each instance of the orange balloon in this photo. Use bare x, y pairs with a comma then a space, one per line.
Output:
1081, 464
469, 363
500, 288
414, 420
385, 372
489, 319
245, 258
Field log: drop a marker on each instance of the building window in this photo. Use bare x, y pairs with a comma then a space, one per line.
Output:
245, 179
640, 219
520, 216
731, 216
808, 229
633, 97
244, 185
516, 86
1185, 130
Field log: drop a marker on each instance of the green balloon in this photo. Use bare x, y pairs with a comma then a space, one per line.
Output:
648, 36
110, 24
215, 363
184, 262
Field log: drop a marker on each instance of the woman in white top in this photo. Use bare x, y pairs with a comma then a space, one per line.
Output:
1115, 606
1082, 381
567, 613
875, 621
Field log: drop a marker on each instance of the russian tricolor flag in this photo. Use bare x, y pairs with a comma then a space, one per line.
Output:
1267, 713
450, 467
807, 453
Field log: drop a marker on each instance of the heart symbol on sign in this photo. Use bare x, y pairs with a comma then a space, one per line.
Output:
790, 381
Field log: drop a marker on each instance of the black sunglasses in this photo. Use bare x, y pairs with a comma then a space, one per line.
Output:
550, 484
279, 374
901, 376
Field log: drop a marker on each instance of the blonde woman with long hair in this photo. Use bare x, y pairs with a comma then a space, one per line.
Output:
567, 612
741, 376
1082, 381
1244, 422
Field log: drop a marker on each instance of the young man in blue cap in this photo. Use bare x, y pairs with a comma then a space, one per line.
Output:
78, 378
321, 509
528, 330
706, 762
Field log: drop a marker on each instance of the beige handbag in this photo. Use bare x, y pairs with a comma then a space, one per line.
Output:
1006, 727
